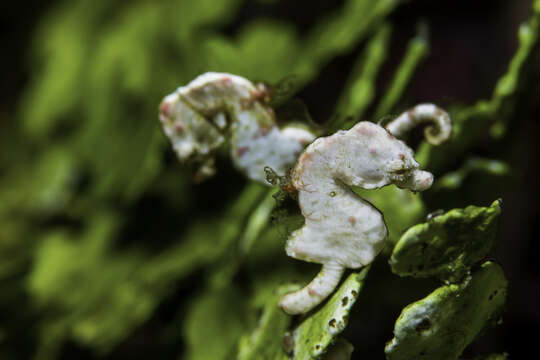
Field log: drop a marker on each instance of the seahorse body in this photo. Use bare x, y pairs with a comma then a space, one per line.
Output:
198, 117
341, 230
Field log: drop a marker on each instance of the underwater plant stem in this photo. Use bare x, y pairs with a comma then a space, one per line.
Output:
417, 50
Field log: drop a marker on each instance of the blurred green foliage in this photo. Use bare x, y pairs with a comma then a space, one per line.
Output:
99, 224
262, 343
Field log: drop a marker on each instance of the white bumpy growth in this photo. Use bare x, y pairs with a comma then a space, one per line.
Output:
341, 230
198, 117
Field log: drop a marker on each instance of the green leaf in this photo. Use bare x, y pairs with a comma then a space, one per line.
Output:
321, 328
440, 326
60, 50
215, 321
342, 30
40, 187
92, 309
267, 340
261, 61
447, 245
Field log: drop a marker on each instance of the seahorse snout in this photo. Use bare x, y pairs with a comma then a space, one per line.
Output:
417, 180
420, 180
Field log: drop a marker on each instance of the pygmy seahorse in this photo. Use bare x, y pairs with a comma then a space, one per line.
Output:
342, 230
197, 119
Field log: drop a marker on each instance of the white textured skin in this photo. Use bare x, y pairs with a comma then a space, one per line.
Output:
198, 117
341, 230
435, 134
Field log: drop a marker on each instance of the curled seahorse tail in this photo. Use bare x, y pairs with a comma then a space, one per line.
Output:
315, 292
436, 133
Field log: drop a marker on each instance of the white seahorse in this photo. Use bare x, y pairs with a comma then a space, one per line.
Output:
342, 230
197, 119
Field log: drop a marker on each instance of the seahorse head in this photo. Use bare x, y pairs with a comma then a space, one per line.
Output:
383, 159
191, 135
